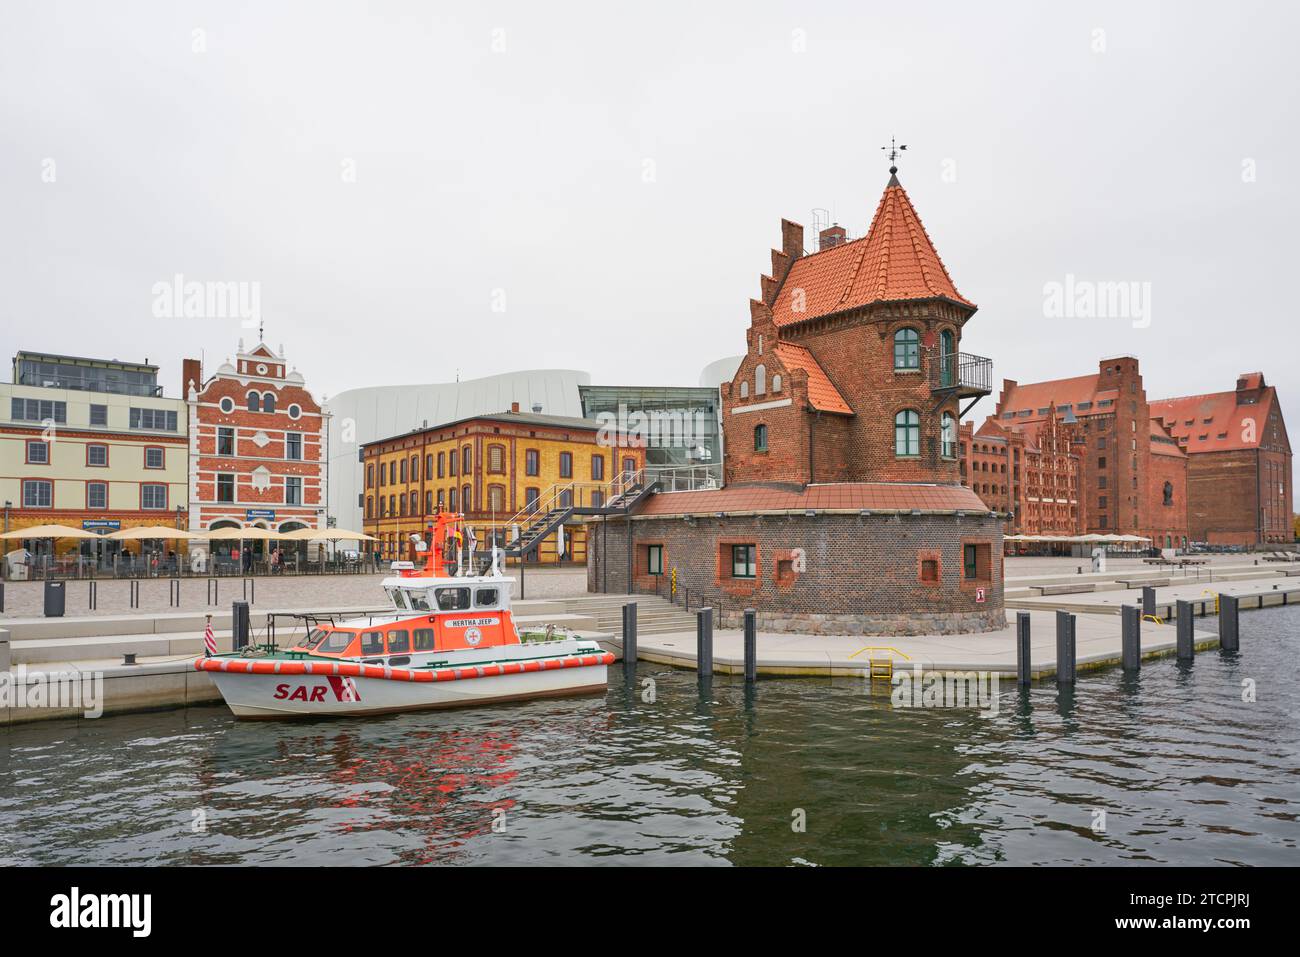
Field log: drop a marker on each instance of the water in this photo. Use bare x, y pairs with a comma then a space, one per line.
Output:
1185, 771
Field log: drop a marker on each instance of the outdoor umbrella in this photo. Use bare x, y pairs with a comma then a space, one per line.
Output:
332, 534
151, 532
49, 531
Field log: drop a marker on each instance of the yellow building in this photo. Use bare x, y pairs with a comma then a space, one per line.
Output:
91, 444
503, 471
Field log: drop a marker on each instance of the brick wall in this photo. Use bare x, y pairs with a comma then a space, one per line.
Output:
854, 574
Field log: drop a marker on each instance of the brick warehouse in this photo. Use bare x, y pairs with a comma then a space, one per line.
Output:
1238, 462
1132, 473
842, 508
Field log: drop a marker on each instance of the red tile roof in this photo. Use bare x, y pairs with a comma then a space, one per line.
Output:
821, 391
848, 496
1227, 428
1162, 443
895, 260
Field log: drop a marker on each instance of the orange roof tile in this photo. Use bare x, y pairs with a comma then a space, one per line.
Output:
853, 496
1215, 422
821, 391
895, 260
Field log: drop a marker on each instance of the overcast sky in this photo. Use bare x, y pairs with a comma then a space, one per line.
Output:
425, 188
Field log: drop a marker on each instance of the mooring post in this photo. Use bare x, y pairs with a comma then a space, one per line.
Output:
1131, 640
1024, 667
1064, 648
1148, 600
629, 637
751, 645
1186, 644
1229, 636
704, 642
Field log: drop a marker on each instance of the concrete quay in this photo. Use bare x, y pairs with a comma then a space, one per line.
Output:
1253, 593
1097, 645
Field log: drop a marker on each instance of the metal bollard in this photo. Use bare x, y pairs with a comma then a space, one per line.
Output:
1024, 667
1186, 644
751, 645
629, 637
704, 642
174, 593
214, 591
1131, 640
1229, 634
92, 595
1148, 600
239, 625
1065, 661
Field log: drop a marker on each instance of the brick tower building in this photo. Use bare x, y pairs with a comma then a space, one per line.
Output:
842, 508
257, 445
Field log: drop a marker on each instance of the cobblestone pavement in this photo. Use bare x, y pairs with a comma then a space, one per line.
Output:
25, 599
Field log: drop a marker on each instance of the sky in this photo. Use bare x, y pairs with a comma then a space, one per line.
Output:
415, 191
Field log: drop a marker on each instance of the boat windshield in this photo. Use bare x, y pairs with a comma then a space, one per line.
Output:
337, 641
314, 638
452, 599
419, 600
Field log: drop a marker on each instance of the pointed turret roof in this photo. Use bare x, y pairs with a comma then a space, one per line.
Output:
894, 261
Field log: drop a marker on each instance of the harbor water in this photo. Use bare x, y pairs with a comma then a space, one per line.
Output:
1183, 764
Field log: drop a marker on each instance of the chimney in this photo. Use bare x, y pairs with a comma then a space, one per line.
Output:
514, 406
833, 235
191, 371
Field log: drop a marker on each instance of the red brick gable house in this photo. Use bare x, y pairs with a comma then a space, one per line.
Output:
1239, 462
257, 445
853, 370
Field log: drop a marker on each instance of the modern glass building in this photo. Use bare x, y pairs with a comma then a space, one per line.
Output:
680, 426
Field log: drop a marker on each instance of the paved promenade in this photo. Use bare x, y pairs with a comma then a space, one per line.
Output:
1097, 644
24, 599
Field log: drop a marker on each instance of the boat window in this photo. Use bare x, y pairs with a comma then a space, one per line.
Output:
314, 638
419, 600
337, 641
424, 639
485, 598
453, 599
372, 643
399, 597
399, 642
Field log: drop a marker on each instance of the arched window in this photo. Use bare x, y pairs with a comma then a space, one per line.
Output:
254, 402
428, 503
949, 436
760, 379
744, 389
776, 382
907, 349
907, 433
466, 498
268, 402
760, 438
370, 506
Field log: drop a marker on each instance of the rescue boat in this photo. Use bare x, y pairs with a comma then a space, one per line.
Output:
450, 641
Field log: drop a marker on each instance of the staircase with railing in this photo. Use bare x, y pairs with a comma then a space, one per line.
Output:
541, 517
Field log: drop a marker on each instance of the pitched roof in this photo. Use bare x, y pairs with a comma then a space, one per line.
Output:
821, 391
846, 496
1162, 443
1216, 422
895, 260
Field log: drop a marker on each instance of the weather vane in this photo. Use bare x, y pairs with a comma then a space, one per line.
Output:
893, 153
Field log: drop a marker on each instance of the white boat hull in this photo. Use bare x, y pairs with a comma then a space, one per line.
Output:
324, 695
